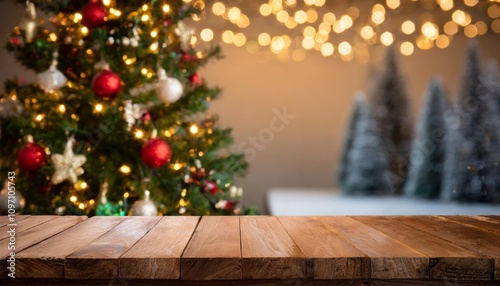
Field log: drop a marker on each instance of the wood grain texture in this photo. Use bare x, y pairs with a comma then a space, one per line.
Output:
390, 259
252, 282
214, 251
99, 259
484, 242
24, 224
267, 251
46, 259
328, 255
486, 224
4, 219
157, 255
494, 217
447, 260
37, 234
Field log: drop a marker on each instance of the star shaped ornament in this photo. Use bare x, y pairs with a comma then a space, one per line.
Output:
68, 165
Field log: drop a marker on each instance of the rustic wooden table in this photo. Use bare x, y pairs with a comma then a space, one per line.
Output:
368, 250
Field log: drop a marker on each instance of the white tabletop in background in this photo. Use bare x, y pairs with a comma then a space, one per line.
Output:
306, 201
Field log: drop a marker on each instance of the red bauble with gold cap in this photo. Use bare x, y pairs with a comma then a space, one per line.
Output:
94, 14
106, 84
31, 157
156, 153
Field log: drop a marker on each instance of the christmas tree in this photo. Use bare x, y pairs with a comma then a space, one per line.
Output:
118, 113
390, 108
349, 138
428, 150
367, 169
473, 173
492, 81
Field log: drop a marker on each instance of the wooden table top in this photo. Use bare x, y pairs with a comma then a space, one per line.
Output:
254, 247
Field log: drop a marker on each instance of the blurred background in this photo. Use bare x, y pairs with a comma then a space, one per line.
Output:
288, 90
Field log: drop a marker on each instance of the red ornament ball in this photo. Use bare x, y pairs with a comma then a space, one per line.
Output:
106, 84
31, 157
195, 79
210, 187
94, 14
156, 153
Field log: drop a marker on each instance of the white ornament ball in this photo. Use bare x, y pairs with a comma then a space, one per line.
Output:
51, 79
144, 207
169, 89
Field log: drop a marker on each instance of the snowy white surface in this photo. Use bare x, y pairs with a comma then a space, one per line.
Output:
286, 201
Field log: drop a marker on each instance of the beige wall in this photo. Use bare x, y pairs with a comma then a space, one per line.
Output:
318, 92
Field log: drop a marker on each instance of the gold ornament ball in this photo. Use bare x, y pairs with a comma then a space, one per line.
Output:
5, 200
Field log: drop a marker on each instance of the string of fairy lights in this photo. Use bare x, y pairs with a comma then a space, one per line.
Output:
345, 29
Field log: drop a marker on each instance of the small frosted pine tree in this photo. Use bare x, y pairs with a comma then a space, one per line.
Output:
492, 79
390, 108
367, 170
473, 172
349, 137
428, 150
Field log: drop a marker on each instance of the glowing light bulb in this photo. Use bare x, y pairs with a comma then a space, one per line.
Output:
125, 169
98, 107
408, 27
406, 48
139, 134
386, 38
177, 166
344, 48
193, 129
207, 35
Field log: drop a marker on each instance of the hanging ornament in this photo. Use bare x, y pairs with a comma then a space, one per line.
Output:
195, 79
31, 156
94, 14
144, 207
133, 112
211, 187
106, 84
60, 210
104, 207
7, 199
10, 107
146, 117
156, 152
184, 33
52, 78
169, 89
68, 166
28, 22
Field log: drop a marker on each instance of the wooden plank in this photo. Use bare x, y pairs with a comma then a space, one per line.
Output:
99, 259
447, 260
494, 217
158, 254
37, 234
390, 259
475, 239
267, 251
488, 225
5, 219
25, 224
46, 259
328, 255
214, 251
253, 282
